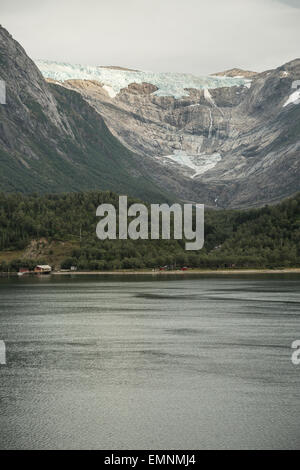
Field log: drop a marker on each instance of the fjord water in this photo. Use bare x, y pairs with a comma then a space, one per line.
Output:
150, 362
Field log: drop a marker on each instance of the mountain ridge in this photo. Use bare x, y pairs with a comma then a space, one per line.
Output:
52, 140
236, 71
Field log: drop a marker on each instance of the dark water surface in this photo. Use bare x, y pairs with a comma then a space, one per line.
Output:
140, 362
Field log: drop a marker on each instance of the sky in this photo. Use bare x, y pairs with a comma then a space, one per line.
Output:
192, 36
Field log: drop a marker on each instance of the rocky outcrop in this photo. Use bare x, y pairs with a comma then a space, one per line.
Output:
236, 73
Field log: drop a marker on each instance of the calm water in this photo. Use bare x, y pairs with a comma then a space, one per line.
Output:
139, 363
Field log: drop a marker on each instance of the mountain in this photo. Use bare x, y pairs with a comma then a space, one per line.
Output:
228, 140
52, 140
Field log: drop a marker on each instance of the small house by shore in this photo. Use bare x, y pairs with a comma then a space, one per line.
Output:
42, 269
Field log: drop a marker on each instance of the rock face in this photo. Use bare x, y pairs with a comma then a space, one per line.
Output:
52, 140
236, 73
235, 146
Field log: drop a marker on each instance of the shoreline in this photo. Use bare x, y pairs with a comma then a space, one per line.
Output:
184, 273
161, 273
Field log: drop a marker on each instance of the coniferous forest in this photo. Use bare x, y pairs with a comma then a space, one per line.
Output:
60, 230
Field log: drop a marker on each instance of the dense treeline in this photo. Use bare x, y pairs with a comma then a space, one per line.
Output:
266, 237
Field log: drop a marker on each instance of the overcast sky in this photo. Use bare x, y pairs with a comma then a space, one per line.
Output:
196, 36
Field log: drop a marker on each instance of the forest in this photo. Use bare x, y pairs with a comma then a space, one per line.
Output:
60, 229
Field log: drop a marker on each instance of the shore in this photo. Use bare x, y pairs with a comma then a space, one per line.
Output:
163, 273
184, 273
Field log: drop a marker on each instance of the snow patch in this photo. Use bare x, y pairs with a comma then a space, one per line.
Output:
211, 101
293, 99
168, 84
110, 91
199, 163
208, 97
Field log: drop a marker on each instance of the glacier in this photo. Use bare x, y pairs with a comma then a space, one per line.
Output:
114, 79
197, 164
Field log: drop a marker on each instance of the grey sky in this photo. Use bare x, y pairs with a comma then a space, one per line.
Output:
197, 36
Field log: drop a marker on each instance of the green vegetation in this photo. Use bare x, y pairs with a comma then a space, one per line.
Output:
43, 159
60, 229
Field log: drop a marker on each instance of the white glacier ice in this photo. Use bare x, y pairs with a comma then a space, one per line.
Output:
168, 84
110, 91
199, 163
293, 99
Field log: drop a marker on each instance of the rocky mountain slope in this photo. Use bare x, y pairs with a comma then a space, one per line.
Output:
228, 140
227, 144
52, 140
